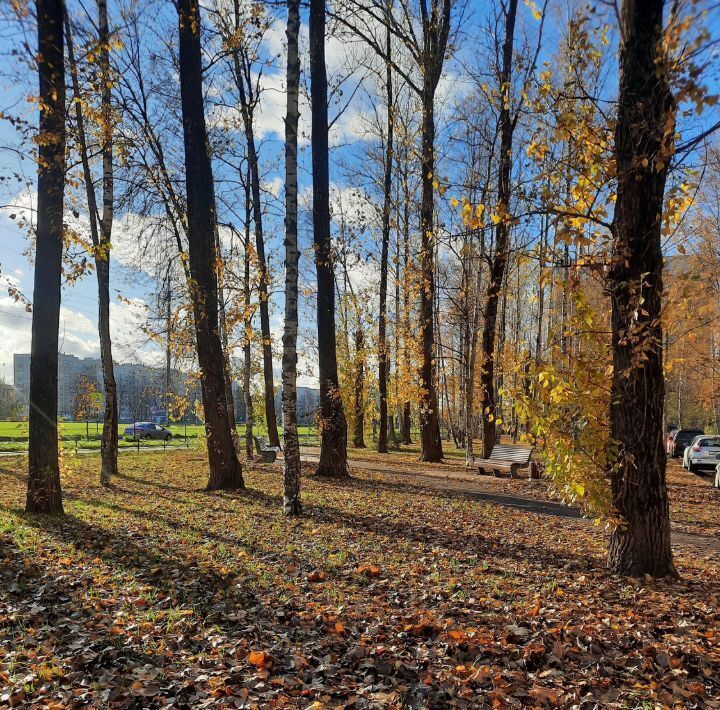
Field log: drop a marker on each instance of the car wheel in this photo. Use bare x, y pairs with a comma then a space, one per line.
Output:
147, 436
691, 467
168, 437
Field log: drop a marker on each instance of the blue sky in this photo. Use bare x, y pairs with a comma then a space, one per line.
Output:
351, 143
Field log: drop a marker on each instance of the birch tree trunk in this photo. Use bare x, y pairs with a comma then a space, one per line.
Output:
44, 494
225, 467
247, 103
291, 478
247, 332
224, 341
644, 142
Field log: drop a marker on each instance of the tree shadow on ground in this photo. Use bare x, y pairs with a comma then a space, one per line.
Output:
455, 492
421, 533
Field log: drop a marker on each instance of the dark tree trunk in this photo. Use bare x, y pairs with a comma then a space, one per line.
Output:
387, 204
359, 392
100, 231
406, 423
502, 239
109, 441
168, 343
291, 479
225, 467
406, 418
436, 28
431, 446
333, 426
644, 138
44, 494
243, 76
396, 333
392, 435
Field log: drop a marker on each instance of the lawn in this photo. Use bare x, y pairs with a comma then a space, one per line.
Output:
386, 593
14, 435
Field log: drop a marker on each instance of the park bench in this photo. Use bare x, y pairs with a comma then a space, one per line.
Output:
506, 458
265, 451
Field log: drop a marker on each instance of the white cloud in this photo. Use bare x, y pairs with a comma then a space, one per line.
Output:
15, 325
130, 344
274, 186
72, 344
76, 322
340, 61
352, 205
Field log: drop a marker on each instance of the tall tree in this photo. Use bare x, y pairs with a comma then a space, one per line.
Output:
644, 141
100, 226
359, 388
291, 480
224, 337
333, 426
387, 204
428, 50
249, 97
436, 27
225, 467
109, 442
44, 494
502, 236
247, 329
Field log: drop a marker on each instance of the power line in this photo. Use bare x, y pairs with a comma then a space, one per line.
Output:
15, 315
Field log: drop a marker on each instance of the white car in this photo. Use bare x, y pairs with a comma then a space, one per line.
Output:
703, 452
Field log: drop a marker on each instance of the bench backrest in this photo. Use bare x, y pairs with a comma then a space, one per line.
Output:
510, 452
260, 443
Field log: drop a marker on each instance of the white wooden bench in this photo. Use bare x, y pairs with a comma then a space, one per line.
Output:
506, 458
265, 451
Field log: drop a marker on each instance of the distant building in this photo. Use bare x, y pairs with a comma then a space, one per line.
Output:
141, 389
307, 405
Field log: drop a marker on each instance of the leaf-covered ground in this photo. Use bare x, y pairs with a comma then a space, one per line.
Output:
386, 593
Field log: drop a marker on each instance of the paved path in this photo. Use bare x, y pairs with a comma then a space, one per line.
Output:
485, 489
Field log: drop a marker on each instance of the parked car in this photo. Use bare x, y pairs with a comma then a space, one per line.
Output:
682, 439
146, 430
669, 441
703, 452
